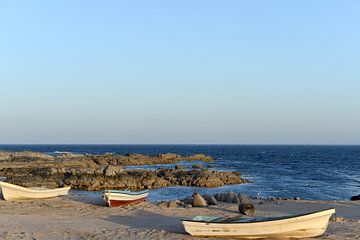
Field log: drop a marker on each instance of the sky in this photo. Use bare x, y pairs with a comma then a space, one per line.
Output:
180, 72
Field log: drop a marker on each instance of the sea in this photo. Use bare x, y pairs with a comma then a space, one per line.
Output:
314, 172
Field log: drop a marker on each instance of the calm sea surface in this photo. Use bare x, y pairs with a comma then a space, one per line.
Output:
309, 172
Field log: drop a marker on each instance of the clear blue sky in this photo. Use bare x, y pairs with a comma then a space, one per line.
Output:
180, 72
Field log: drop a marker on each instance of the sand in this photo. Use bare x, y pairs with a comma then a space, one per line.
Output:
85, 216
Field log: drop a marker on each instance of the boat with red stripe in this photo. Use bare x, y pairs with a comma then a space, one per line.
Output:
115, 198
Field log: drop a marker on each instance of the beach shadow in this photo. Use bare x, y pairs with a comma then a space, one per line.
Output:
149, 220
89, 198
218, 207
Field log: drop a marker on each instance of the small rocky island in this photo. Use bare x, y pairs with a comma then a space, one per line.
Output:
99, 172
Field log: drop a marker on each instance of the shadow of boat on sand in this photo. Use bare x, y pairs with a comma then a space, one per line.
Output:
149, 220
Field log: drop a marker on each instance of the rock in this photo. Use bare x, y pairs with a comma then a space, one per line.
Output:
163, 204
217, 196
220, 197
188, 200
297, 198
212, 181
197, 166
173, 203
231, 197
179, 167
334, 218
199, 201
111, 170
355, 198
169, 156
210, 200
23, 156
246, 206
201, 157
68, 155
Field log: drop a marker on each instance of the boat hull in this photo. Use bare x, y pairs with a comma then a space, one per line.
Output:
302, 226
121, 199
117, 203
13, 192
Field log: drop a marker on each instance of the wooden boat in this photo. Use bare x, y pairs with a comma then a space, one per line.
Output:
13, 192
115, 198
295, 226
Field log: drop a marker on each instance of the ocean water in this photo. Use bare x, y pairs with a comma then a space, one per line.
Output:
308, 172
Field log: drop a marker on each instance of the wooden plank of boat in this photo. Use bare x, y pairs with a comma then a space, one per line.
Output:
297, 226
115, 198
12, 192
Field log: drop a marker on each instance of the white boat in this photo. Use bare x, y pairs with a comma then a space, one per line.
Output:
13, 192
296, 226
115, 198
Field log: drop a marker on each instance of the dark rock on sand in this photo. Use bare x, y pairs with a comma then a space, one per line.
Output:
210, 200
188, 200
246, 206
355, 198
229, 197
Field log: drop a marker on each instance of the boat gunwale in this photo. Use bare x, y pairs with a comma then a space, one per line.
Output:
126, 192
259, 221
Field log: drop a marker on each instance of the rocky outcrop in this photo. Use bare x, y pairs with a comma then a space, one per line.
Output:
102, 159
23, 156
99, 172
113, 177
140, 159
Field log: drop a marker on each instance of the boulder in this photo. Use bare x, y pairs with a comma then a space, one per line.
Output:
210, 200
355, 198
163, 204
220, 197
188, 200
231, 197
199, 201
173, 203
246, 206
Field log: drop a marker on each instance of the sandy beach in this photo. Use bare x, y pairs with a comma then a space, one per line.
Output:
85, 216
